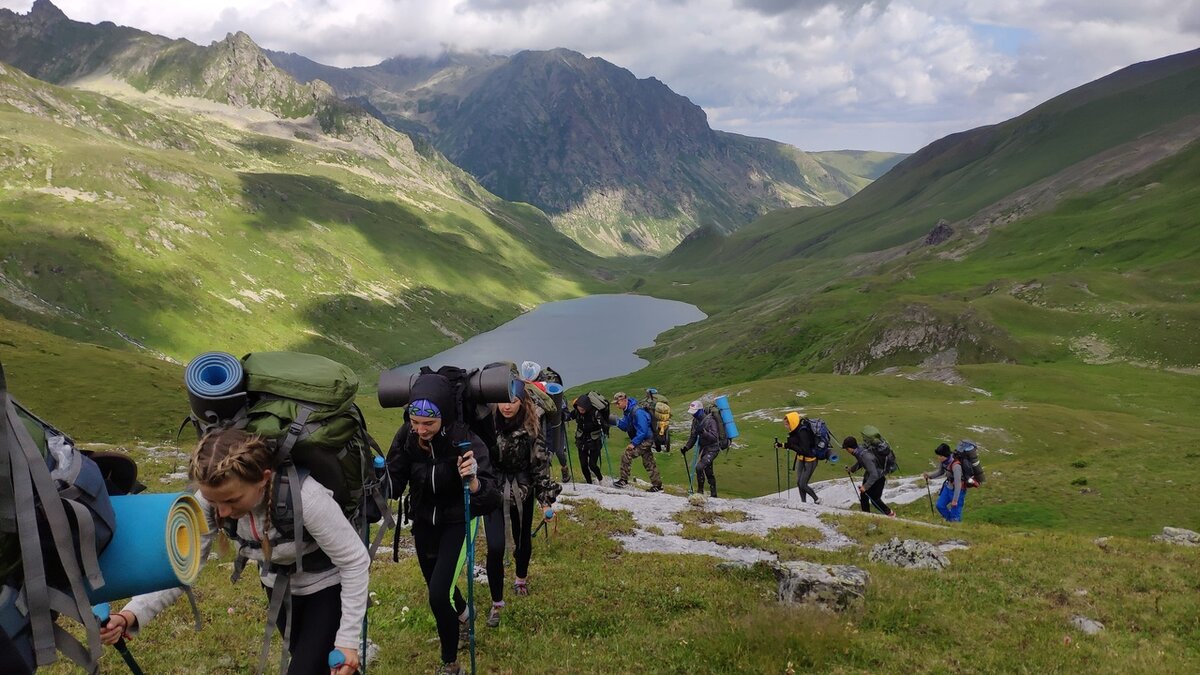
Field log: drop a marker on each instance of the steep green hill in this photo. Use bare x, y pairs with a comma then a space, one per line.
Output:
1148, 106
179, 231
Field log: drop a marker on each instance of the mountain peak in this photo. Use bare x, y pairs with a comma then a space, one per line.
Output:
45, 12
239, 41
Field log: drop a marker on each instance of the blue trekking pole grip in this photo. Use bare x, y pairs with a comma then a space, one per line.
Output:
336, 659
103, 612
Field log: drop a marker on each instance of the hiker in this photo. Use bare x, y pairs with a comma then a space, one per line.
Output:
328, 597
555, 434
870, 491
591, 425
706, 438
953, 495
522, 468
802, 441
432, 455
636, 422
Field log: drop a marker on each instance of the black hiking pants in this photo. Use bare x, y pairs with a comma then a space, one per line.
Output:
522, 529
439, 548
704, 469
315, 621
589, 457
804, 472
873, 495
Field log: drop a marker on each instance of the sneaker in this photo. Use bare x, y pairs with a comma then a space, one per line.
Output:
891, 514
450, 669
493, 619
655, 488
620, 483
521, 586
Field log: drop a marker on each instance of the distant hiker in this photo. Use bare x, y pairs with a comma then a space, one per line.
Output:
636, 422
591, 425
802, 441
953, 495
522, 468
870, 491
235, 472
705, 436
432, 455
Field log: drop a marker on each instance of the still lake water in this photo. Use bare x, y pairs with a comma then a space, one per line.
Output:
585, 339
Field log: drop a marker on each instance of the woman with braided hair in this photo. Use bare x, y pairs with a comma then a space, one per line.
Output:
234, 471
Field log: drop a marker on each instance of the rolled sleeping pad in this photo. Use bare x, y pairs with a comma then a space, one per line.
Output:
395, 388
215, 385
722, 403
156, 546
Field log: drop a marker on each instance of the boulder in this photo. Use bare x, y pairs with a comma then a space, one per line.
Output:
909, 554
1086, 625
833, 587
1178, 535
697, 500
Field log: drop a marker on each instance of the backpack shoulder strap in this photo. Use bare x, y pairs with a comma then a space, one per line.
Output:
32, 486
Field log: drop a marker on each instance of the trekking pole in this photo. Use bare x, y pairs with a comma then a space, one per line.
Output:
566, 438
688, 469
778, 489
470, 563
102, 612
607, 461
930, 495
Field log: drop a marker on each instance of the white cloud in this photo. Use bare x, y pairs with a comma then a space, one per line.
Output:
879, 74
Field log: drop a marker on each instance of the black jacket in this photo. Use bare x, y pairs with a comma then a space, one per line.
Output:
704, 430
431, 477
802, 440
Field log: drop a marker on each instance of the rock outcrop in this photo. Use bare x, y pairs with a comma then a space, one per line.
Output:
1178, 535
833, 587
910, 554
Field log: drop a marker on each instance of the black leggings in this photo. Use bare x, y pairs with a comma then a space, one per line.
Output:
315, 621
704, 468
804, 472
440, 548
874, 495
493, 527
589, 457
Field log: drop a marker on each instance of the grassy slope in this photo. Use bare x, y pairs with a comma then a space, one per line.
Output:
956, 176
865, 164
161, 226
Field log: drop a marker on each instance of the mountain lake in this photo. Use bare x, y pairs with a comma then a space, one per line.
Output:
584, 339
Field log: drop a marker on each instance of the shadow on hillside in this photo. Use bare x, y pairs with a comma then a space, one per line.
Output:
91, 284
370, 334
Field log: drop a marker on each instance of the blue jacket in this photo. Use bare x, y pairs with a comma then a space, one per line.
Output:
636, 423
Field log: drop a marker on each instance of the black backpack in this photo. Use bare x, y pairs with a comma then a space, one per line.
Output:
967, 455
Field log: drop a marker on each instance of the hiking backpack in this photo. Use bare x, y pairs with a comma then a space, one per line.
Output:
303, 404
967, 454
723, 440
882, 452
822, 438
659, 408
56, 518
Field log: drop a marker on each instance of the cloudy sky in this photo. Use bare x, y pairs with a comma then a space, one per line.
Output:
820, 74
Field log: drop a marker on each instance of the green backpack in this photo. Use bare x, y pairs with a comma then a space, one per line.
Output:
304, 403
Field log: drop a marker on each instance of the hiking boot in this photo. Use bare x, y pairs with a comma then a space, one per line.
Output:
450, 669
655, 488
566, 474
620, 483
493, 620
